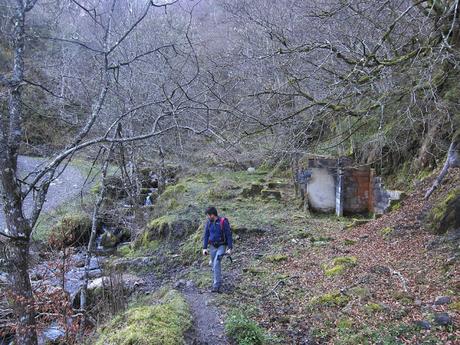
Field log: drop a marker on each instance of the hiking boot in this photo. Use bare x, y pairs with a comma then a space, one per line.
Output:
215, 289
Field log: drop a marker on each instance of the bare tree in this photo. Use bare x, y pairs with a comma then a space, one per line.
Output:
115, 51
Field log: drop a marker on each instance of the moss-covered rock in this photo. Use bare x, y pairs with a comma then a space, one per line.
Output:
170, 226
172, 191
109, 240
162, 323
330, 299
114, 187
271, 194
445, 215
71, 230
252, 191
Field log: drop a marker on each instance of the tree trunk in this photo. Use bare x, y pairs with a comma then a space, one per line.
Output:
23, 302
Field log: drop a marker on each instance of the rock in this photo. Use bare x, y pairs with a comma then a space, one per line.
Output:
423, 324
441, 300
442, 319
115, 188
109, 240
98, 283
271, 194
252, 191
80, 263
251, 170
3, 278
136, 263
179, 284
71, 230
418, 303
445, 215
169, 227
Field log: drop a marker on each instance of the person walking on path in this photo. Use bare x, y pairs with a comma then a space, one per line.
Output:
218, 236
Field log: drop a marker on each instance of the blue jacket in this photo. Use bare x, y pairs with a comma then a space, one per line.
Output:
213, 233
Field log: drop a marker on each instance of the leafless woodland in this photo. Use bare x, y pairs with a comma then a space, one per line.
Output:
240, 79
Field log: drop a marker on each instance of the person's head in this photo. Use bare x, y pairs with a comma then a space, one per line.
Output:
211, 213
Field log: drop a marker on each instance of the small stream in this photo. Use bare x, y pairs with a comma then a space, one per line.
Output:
47, 275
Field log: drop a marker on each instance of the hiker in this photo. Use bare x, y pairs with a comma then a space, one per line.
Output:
218, 236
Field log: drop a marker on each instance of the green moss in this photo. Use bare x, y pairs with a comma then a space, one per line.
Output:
455, 306
243, 330
330, 299
163, 323
174, 190
403, 297
387, 231
270, 194
190, 250
72, 229
254, 270
344, 323
395, 206
360, 292
339, 265
442, 216
345, 260
335, 270
276, 258
161, 226
201, 278
372, 308
320, 239
348, 242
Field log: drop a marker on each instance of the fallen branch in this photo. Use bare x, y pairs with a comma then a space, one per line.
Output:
280, 283
403, 280
452, 161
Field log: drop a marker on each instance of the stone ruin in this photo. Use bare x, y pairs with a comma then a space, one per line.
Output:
329, 185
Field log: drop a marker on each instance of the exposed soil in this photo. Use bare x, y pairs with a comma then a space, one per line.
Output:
208, 318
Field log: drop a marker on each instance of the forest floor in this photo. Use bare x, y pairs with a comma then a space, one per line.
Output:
310, 279
313, 279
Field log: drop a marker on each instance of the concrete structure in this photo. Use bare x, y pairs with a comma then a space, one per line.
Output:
335, 185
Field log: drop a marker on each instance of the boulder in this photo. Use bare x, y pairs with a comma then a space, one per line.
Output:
442, 319
71, 230
423, 324
445, 215
441, 300
170, 227
252, 191
109, 240
114, 188
271, 194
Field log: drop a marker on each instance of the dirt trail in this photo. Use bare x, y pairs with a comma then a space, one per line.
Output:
208, 321
66, 186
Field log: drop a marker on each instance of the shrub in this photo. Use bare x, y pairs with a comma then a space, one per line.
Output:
243, 330
72, 229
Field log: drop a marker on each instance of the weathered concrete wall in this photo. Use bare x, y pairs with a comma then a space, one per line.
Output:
321, 190
335, 185
383, 197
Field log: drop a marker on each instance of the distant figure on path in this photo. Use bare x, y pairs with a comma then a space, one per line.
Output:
218, 236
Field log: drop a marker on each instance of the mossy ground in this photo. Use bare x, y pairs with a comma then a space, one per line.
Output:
278, 276
163, 320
